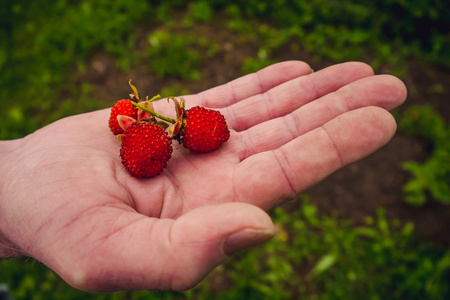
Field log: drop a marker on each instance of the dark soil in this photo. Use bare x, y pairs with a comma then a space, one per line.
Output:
356, 191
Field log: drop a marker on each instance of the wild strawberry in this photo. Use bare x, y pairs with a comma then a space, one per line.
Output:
204, 130
122, 107
146, 149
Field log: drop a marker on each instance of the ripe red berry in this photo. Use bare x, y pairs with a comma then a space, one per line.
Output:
146, 149
204, 130
122, 107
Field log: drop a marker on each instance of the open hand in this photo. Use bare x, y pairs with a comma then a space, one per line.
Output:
66, 199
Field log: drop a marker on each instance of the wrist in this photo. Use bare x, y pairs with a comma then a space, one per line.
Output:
7, 153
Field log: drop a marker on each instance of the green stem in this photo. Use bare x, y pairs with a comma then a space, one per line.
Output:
155, 114
154, 98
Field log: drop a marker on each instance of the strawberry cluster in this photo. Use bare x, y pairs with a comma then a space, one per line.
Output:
146, 136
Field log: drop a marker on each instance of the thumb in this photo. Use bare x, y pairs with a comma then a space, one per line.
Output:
164, 254
205, 237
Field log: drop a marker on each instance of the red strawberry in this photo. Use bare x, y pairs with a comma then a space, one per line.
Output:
146, 149
122, 107
204, 130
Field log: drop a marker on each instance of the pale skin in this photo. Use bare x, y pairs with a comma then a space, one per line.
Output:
67, 201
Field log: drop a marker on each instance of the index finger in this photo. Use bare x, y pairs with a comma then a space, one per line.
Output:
251, 84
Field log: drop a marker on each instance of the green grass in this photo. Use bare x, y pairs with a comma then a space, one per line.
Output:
431, 177
180, 55
45, 42
338, 260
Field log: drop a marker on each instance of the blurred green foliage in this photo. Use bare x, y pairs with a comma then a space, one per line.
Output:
378, 32
44, 43
44, 46
31, 280
431, 177
377, 260
174, 54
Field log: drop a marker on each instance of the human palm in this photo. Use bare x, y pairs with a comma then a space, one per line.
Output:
67, 201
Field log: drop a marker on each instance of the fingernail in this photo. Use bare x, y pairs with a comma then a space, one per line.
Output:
246, 238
